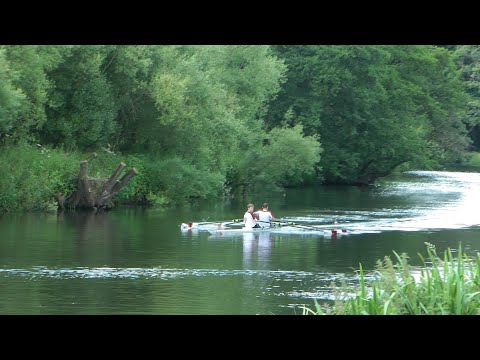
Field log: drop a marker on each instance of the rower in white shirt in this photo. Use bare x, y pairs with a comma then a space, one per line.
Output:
264, 216
249, 219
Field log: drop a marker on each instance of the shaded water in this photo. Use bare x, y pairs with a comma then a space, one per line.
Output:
137, 261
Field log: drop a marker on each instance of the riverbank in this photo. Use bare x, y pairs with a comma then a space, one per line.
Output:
471, 165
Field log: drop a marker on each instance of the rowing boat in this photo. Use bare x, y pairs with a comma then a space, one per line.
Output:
195, 226
224, 224
283, 229
241, 230
225, 228
203, 225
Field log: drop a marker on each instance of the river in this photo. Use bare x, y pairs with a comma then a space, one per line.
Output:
138, 261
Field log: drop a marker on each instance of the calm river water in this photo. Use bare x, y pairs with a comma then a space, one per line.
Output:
138, 261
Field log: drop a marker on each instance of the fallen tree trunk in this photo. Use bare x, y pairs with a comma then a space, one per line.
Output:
97, 193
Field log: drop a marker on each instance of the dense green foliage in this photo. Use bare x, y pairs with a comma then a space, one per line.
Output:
442, 287
467, 58
32, 174
205, 121
374, 107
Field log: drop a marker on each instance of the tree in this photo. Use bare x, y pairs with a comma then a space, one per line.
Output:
12, 98
373, 107
25, 86
468, 61
81, 110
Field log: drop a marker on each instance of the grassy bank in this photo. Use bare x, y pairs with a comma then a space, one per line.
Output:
474, 160
471, 164
33, 174
441, 287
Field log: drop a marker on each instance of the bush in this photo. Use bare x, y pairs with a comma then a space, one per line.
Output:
33, 174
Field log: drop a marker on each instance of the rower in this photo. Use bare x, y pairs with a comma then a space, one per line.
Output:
265, 216
249, 219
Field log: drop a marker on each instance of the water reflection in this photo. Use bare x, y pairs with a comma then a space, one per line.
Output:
256, 250
264, 246
94, 235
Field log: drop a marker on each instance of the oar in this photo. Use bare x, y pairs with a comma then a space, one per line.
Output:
286, 222
301, 226
202, 222
317, 227
273, 223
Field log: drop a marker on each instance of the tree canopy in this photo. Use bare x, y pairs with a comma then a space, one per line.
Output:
208, 120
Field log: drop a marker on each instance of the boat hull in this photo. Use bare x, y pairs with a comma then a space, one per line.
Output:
240, 231
282, 230
203, 226
223, 228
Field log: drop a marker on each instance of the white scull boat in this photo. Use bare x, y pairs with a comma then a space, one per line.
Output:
224, 228
240, 231
284, 229
204, 225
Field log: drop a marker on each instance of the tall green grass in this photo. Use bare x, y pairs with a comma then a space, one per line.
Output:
32, 174
442, 286
474, 160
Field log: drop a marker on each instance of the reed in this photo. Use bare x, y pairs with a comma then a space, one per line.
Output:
441, 287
